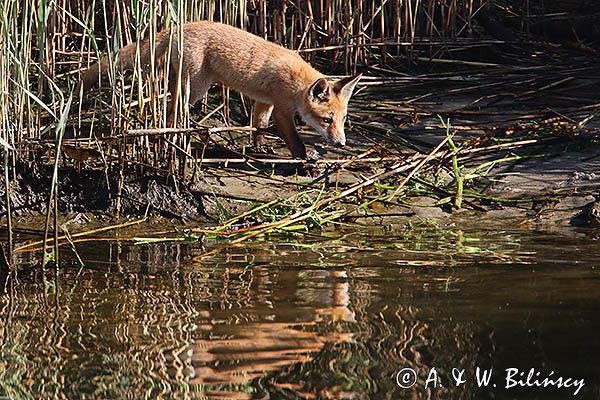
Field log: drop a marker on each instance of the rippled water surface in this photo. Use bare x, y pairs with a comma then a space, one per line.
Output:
334, 315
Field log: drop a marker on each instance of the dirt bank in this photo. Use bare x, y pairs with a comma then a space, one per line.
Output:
526, 147
94, 192
557, 188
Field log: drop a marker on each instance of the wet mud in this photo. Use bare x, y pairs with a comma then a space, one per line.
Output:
97, 193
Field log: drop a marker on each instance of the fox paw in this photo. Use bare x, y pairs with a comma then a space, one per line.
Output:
312, 155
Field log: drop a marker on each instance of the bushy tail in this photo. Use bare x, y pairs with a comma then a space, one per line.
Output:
126, 60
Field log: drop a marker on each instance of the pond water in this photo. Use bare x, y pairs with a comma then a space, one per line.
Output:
330, 315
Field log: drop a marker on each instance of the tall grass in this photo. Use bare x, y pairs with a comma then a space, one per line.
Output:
45, 44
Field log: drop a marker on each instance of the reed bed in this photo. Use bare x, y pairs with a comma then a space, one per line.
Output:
42, 58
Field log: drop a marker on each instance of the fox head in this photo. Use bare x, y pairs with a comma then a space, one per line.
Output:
326, 106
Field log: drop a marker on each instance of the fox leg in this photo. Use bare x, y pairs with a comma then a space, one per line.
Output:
174, 89
193, 75
284, 120
175, 85
198, 88
261, 113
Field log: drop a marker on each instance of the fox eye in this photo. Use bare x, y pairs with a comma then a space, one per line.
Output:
327, 120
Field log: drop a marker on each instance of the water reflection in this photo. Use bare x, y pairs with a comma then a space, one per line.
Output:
315, 317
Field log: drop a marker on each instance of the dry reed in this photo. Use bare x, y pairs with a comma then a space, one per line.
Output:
41, 59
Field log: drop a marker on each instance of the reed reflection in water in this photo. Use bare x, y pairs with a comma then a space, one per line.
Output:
330, 318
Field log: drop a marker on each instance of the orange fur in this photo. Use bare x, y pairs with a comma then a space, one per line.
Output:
278, 79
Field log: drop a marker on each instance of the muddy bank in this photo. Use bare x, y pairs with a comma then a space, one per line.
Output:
556, 190
94, 192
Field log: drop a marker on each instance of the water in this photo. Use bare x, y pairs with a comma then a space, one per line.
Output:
334, 315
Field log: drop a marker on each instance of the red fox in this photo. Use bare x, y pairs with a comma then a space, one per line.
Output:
280, 82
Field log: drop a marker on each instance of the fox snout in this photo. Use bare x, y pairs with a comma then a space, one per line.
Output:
338, 140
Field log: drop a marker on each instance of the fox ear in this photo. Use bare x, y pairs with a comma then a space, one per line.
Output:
319, 90
344, 87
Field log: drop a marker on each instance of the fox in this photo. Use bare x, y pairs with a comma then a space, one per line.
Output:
279, 81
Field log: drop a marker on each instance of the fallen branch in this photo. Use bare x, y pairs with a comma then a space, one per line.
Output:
80, 234
416, 162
